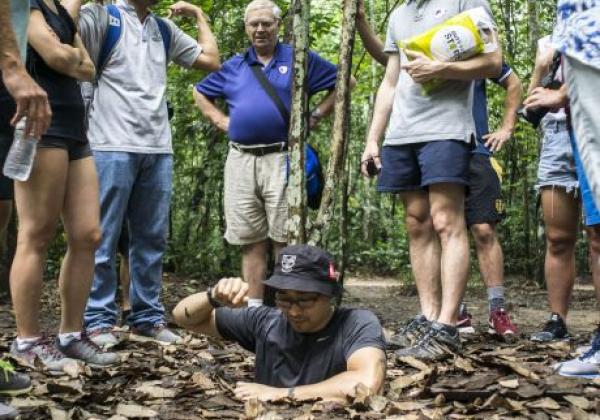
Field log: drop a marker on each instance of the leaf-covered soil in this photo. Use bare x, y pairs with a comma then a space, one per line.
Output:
492, 378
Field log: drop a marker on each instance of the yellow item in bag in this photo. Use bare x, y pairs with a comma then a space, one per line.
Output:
459, 38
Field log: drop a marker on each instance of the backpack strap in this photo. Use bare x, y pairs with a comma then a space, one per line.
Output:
271, 92
165, 33
113, 34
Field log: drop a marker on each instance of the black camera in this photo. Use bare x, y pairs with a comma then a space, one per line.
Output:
372, 169
534, 115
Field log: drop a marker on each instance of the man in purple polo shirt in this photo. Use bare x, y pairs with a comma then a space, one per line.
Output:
256, 167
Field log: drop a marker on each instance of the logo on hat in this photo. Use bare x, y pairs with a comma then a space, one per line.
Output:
287, 263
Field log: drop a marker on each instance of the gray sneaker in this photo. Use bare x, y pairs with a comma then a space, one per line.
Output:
436, 345
46, 352
85, 350
12, 383
104, 338
7, 412
159, 332
410, 333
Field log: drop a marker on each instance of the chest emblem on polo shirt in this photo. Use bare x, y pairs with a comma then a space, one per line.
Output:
287, 263
283, 69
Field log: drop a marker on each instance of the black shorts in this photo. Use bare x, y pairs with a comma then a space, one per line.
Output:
75, 149
483, 203
123, 244
6, 184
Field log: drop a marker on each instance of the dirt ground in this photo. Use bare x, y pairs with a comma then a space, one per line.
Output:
491, 379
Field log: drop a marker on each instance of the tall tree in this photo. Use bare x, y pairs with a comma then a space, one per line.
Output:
296, 195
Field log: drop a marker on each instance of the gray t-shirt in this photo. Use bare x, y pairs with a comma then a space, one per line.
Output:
286, 358
19, 17
129, 110
446, 113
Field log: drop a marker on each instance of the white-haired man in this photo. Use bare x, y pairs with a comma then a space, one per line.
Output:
257, 126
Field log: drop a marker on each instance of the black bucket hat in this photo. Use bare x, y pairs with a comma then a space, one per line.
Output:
305, 268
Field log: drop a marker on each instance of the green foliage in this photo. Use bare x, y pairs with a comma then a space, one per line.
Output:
376, 238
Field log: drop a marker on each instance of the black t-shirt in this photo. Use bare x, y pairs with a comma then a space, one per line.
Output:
286, 358
63, 91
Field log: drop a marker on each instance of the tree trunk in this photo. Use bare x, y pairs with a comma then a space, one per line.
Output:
295, 190
340, 123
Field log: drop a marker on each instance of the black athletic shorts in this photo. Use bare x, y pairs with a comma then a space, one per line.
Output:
483, 203
75, 149
6, 184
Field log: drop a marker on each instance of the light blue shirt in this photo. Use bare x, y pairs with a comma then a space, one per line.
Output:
19, 10
577, 30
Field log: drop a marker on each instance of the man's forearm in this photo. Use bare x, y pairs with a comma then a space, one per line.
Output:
381, 112
9, 51
194, 312
483, 66
512, 102
371, 41
208, 109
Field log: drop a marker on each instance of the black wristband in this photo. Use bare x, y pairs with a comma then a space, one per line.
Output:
213, 302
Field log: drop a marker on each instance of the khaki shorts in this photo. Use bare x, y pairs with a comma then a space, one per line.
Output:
255, 201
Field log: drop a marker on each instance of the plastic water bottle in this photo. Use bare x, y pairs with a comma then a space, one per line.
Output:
19, 160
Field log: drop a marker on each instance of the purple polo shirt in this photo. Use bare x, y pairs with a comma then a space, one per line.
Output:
254, 118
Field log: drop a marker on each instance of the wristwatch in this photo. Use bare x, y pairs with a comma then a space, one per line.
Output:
317, 114
213, 302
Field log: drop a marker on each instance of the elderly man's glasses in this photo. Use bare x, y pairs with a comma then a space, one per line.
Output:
303, 302
266, 24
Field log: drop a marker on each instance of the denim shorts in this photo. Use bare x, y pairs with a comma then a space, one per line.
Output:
557, 165
415, 166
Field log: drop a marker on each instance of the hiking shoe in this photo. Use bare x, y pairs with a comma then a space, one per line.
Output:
159, 332
464, 325
46, 352
87, 351
7, 412
500, 324
588, 364
555, 329
12, 383
104, 337
437, 344
410, 333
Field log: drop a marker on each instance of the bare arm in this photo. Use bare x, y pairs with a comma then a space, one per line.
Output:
543, 61
211, 111
371, 41
31, 100
381, 112
512, 102
325, 107
66, 59
195, 313
365, 366
209, 58
72, 7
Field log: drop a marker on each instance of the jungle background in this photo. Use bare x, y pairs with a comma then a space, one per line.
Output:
372, 232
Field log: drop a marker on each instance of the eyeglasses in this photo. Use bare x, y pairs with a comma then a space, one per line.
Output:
303, 303
266, 24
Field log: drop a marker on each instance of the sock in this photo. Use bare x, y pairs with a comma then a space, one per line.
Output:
23, 343
253, 302
66, 338
495, 297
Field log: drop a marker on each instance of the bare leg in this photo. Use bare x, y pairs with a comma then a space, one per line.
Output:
448, 215
39, 202
561, 217
124, 282
424, 252
254, 267
81, 217
489, 254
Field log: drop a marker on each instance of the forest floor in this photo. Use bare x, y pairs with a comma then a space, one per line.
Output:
492, 378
